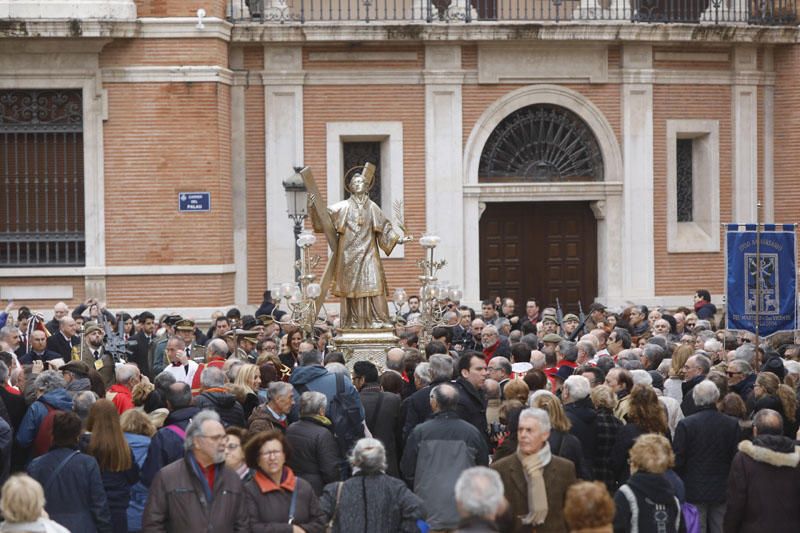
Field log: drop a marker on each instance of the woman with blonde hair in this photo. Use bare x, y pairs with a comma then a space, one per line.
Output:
118, 468
138, 430
22, 505
562, 442
607, 427
673, 384
247, 383
588, 508
648, 495
769, 393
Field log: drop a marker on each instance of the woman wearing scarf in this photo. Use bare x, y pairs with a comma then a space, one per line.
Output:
535, 481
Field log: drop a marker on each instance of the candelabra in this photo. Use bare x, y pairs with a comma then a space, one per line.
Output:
433, 294
300, 297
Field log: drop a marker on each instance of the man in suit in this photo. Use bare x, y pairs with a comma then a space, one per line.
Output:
141, 353
535, 481
66, 341
382, 412
93, 352
60, 310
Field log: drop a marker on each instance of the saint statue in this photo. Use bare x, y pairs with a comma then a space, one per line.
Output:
361, 230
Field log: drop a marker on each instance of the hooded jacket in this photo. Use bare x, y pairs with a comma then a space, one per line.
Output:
764, 486
654, 495
224, 403
58, 399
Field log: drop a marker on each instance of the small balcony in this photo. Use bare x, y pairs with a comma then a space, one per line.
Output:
713, 12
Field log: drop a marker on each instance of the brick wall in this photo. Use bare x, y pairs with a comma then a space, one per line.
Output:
162, 139
787, 133
165, 52
698, 270
180, 8
207, 290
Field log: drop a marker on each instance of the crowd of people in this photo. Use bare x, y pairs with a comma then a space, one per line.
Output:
633, 420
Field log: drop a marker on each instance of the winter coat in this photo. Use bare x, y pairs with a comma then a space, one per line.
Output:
705, 444
607, 427
476, 524
58, 399
166, 446
559, 475
706, 312
764, 486
118, 491
417, 408
121, 396
251, 401
268, 504
567, 446
317, 378
472, 406
315, 454
436, 453
180, 500
384, 423
375, 502
224, 404
583, 417
687, 405
654, 495
139, 445
76, 498
262, 419
745, 387
626, 437
769, 401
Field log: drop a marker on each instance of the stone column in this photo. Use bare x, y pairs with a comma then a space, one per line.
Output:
745, 136
239, 179
283, 107
638, 259
443, 157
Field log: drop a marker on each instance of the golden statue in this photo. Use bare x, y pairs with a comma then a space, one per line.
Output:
357, 229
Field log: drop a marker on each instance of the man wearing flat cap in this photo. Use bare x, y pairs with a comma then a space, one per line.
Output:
246, 341
570, 324
597, 315
93, 353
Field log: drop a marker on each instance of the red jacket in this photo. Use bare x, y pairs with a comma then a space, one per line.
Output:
121, 397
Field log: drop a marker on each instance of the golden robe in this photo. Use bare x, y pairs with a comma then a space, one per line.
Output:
358, 276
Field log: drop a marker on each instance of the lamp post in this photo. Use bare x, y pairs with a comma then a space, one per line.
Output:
296, 197
433, 293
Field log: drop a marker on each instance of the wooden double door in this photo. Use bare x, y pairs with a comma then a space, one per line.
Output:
544, 250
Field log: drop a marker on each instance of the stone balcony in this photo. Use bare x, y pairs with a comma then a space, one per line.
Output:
68, 9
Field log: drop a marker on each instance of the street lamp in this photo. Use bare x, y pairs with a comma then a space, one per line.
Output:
296, 198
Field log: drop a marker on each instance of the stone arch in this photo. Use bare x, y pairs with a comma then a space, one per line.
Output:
544, 94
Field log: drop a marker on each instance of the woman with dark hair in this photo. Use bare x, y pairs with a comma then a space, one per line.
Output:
276, 499
645, 415
127, 325
290, 356
392, 382
509, 416
118, 467
235, 439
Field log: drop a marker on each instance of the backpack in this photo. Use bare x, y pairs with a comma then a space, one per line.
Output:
44, 436
634, 507
345, 415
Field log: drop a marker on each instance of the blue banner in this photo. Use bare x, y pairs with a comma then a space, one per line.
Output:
761, 279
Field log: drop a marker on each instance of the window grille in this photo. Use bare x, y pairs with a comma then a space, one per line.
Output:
355, 154
685, 178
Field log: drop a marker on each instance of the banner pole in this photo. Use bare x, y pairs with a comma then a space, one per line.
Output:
758, 271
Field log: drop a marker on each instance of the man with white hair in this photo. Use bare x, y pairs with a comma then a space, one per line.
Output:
128, 376
65, 341
695, 371
479, 499
705, 445
60, 310
741, 379
575, 394
209, 495
535, 480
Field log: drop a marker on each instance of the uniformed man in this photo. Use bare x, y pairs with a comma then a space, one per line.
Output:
159, 357
185, 329
246, 340
570, 324
93, 352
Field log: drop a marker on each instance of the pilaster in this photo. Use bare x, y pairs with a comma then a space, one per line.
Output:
745, 139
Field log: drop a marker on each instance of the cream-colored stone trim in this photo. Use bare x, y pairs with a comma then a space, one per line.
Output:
132, 270
169, 74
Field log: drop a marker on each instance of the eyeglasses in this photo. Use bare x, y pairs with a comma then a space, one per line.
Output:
269, 453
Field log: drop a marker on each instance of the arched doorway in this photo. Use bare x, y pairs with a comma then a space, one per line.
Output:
545, 250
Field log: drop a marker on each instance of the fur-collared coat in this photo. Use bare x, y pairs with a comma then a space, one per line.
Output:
764, 487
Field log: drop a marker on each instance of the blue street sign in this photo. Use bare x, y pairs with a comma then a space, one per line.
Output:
194, 201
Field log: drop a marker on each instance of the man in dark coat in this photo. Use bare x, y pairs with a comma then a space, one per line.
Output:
38, 351
315, 454
417, 407
582, 415
695, 370
703, 307
215, 397
705, 444
73, 488
166, 446
741, 379
764, 485
382, 412
437, 452
66, 342
197, 492
141, 352
471, 400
